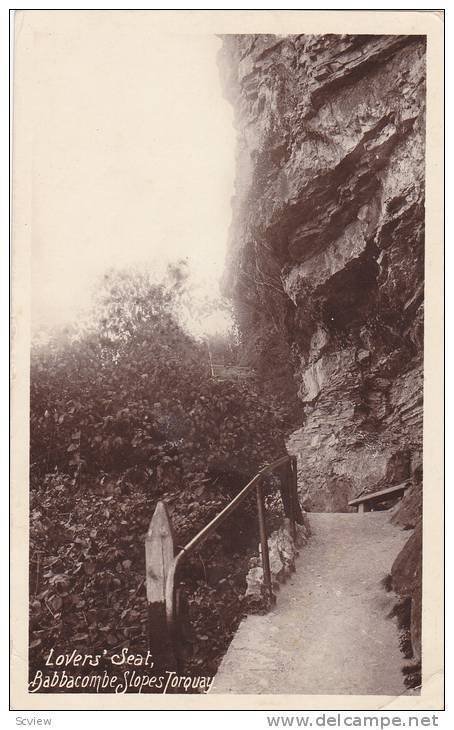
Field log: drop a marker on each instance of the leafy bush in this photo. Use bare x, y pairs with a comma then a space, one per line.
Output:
124, 412
132, 392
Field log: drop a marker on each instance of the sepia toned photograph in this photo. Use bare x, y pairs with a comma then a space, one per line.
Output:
222, 270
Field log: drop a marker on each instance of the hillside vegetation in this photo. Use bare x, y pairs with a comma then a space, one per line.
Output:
124, 412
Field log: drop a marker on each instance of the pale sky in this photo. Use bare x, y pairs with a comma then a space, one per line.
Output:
133, 155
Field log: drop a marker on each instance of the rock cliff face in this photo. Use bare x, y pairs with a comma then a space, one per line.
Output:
326, 254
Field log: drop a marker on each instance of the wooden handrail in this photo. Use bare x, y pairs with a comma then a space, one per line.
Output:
227, 365
294, 513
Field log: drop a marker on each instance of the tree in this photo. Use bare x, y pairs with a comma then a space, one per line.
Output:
130, 388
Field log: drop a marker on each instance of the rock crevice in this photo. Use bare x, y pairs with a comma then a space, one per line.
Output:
326, 254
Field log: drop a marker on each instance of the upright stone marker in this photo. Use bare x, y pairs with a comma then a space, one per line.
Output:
159, 554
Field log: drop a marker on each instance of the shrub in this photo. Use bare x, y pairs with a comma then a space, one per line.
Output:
124, 412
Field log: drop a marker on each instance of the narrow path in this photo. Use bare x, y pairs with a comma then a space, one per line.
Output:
329, 632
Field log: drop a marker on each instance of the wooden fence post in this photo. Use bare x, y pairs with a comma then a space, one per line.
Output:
264, 544
159, 554
297, 511
289, 492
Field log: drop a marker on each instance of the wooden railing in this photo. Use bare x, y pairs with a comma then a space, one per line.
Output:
162, 566
231, 372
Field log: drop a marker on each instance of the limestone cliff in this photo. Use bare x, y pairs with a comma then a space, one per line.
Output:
326, 254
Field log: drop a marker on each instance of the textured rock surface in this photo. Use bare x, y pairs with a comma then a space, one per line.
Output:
326, 255
283, 550
325, 260
406, 576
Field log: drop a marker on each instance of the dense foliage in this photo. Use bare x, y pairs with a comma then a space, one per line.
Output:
124, 411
